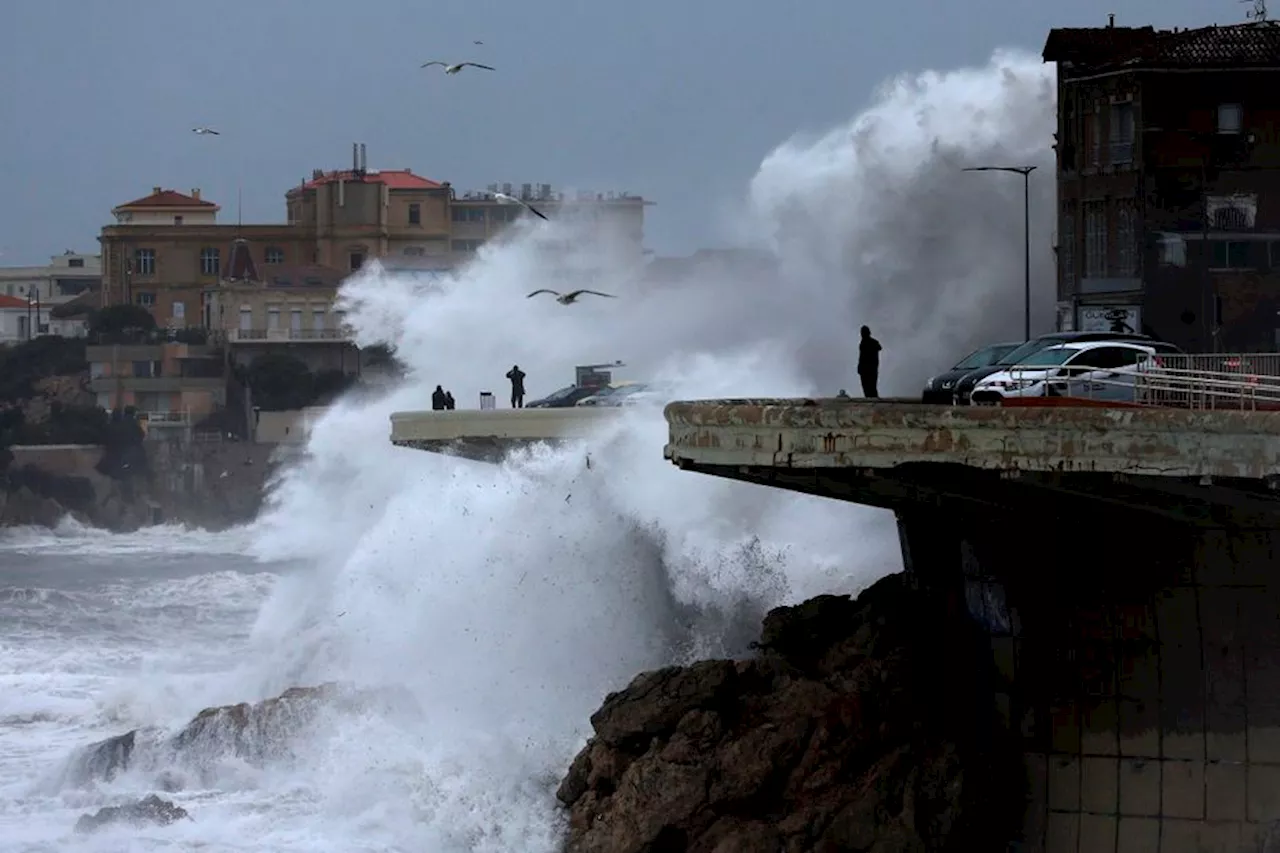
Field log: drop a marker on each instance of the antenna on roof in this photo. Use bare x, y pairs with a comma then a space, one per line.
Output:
1259, 11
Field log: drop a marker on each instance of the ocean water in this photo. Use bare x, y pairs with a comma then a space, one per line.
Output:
506, 601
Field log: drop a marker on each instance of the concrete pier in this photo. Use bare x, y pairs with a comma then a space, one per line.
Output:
1123, 563
487, 435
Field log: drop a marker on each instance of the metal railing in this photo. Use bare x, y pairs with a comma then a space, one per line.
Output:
283, 335
1245, 381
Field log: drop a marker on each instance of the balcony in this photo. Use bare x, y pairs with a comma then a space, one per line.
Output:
155, 384
287, 336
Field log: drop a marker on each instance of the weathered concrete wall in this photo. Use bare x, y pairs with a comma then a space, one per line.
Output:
1140, 664
211, 485
70, 460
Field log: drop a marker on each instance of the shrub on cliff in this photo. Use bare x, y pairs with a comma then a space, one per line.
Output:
22, 365
280, 383
123, 456
67, 424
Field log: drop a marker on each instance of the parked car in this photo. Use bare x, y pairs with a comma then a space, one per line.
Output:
564, 397
602, 394
1099, 370
941, 388
635, 395
964, 387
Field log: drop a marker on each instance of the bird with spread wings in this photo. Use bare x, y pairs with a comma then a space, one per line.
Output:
455, 67
570, 297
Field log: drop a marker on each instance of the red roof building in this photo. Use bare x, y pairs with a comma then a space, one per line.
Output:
163, 199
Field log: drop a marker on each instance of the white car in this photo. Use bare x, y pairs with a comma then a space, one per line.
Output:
1099, 370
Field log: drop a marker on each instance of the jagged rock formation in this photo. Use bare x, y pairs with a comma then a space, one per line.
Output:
149, 810
860, 727
256, 734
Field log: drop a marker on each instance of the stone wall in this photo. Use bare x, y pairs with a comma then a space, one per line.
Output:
68, 460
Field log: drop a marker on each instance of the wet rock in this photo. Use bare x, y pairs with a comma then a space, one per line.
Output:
857, 727
152, 810
256, 733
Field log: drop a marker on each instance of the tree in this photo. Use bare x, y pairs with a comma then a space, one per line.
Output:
280, 382
122, 320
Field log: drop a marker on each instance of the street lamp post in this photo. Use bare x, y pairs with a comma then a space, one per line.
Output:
1025, 172
510, 199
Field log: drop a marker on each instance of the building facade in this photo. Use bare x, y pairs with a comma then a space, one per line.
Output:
65, 277
1168, 168
175, 382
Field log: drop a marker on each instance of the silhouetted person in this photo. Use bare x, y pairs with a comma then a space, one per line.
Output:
437, 399
869, 364
516, 375
448, 401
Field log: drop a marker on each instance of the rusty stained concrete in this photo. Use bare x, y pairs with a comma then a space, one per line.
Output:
885, 434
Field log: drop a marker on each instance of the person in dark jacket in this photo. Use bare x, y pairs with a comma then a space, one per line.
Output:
516, 375
869, 364
449, 404
437, 399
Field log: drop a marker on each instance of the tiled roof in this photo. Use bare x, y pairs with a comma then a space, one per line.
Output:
1240, 45
82, 304
7, 301
394, 179
167, 198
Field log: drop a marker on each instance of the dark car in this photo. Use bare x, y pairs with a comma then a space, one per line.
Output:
941, 388
964, 387
564, 398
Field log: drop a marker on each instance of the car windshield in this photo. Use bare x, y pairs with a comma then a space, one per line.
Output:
983, 357
627, 390
1048, 357
1019, 354
562, 393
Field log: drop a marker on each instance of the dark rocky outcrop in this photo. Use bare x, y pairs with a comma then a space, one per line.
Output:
152, 809
860, 726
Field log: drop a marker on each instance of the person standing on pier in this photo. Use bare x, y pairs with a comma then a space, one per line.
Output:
869, 364
516, 375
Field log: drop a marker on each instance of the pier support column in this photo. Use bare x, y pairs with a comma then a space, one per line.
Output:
1136, 660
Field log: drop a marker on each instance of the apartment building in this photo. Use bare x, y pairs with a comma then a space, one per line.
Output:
1168, 170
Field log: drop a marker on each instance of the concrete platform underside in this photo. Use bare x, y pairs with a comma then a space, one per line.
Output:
489, 435
1123, 564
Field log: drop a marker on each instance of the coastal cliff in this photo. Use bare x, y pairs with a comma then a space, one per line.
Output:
859, 725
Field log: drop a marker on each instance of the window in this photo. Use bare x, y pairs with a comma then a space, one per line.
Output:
1092, 140
317, 319
1105, 358
1229, 255
246, 319
415, 214
76, 262
1122, 133
146, 369
414, 251
104, 400
281, 281
1230, 218
1095, 239
177, 220
179, 310
466, 245
1273, 254
210, 261
1127, 241
508, 213
356, 260
97, 369
147, 300
144, 261
1230, 118
1067, 251
273, 317
295, 320
468, 214
274, 255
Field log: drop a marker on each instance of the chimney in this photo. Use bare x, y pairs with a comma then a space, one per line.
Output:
195, 193
364, 158
355, 156
157, 190
1111, 21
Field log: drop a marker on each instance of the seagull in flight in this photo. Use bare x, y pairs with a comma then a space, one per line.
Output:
510, 199
203, 130
455, 67
570, 297
477, 42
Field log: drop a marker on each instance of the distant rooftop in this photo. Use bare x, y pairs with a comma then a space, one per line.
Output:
545, 193
162, 198
1251, 45
402, 179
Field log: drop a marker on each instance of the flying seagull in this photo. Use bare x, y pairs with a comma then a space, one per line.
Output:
477, 42
570, 297
203, 130
456, 67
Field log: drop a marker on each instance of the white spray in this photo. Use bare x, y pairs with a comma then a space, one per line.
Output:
509, 599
